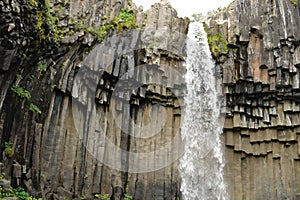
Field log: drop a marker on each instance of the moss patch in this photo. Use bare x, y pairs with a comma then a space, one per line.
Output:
48, 31
217, 43
125, 20
35, 109
9, 152
294, 2
21, 92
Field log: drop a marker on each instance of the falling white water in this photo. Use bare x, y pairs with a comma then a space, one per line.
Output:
201, 166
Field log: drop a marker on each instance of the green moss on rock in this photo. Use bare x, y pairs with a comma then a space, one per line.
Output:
294, 2
217, 43
9, 152
125, 20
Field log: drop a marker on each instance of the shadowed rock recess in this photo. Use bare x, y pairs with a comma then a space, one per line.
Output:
256, 46
60, 63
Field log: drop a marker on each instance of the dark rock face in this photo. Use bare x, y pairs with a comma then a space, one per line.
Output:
65, 97
256, 45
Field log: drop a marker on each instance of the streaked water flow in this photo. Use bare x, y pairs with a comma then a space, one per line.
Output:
201, 166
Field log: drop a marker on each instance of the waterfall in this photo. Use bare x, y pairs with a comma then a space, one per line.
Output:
201, 166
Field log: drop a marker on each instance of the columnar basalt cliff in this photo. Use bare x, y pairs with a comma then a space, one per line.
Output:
256, 46
61, 105
87, 84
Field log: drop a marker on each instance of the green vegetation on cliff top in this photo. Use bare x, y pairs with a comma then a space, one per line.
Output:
125, 20
48, 31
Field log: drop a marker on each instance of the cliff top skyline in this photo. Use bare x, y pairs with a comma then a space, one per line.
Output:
188, 7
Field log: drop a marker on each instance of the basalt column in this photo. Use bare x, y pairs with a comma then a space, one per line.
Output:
75, 105
256, 47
